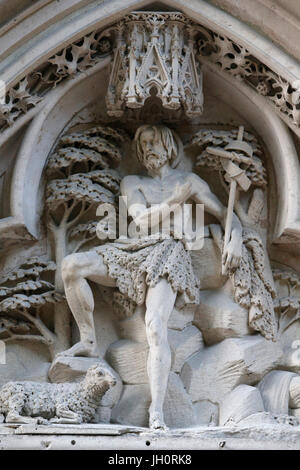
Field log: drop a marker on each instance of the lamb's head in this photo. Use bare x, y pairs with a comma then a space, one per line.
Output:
98, 380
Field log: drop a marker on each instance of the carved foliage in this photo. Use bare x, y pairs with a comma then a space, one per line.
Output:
153, 49
236, 60
23, 294
288, 306
255, 171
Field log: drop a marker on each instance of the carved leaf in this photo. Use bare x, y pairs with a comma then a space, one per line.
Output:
26, 286
99, 144
33, 267
78, 187
65, 157
81, 229
110, 179
16, 325
21, 301
18, 100
255, 170
289, 277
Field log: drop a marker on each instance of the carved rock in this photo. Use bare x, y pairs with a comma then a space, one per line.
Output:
219, 317
207, 413
243, 401
275, 391
135, 401
180, 318
207, 265
294, 401
73, 369
178, 407
133, 406
133, 327
291, 358
129, 359
217, 370
183, 344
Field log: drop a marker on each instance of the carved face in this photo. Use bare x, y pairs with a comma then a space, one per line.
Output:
97, 375
154, 152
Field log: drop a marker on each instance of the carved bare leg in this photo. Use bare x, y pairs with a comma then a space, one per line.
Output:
76, 269
159, 305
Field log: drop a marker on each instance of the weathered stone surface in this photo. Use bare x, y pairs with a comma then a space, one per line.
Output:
25, 363
133, 406
217, 370
56, 403
135, 401
294, 401
129, 359
133, 328
183, 344
178, 407
207, 413
103, 414
73, 369
219, 317
275, 391
207, 265
243, 401
181, 318
291, 358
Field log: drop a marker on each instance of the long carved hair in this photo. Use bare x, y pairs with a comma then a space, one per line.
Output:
169, 139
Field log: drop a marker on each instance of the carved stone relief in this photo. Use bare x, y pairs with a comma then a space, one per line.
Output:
151, 327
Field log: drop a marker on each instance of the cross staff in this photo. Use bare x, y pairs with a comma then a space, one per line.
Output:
236, 176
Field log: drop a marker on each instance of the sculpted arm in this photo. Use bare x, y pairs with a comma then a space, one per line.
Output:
136, 203
201, 194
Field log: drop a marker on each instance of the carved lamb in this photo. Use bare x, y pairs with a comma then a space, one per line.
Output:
66, 403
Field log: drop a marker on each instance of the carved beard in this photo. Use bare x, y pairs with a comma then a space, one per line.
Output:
154, 161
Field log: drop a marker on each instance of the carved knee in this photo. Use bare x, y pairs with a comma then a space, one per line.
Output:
155, 331
69, 268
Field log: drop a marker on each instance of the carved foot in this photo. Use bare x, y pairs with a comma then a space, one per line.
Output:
65, 421
14, 418
81, 349
156, 422
65, 416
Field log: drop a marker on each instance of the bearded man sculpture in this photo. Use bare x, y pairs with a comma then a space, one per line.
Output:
149, 269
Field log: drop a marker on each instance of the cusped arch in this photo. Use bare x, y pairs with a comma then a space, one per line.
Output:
52, 38
63, 103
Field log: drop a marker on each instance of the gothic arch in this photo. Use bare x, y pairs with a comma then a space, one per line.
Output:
38, 49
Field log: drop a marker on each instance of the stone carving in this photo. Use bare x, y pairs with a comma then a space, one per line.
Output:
69, 403
179, 69
147, 269
236, 60
18, 101
24, 293
225, 152
154, 50
80, 177
288, 304
162, 335
72, 60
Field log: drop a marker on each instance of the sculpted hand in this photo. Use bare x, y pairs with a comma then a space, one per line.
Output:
232, 254
181, 193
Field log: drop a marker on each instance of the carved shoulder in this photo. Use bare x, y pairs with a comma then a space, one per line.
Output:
129, 184
130, 187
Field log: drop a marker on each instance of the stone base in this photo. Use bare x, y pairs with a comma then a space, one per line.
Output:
117, 437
